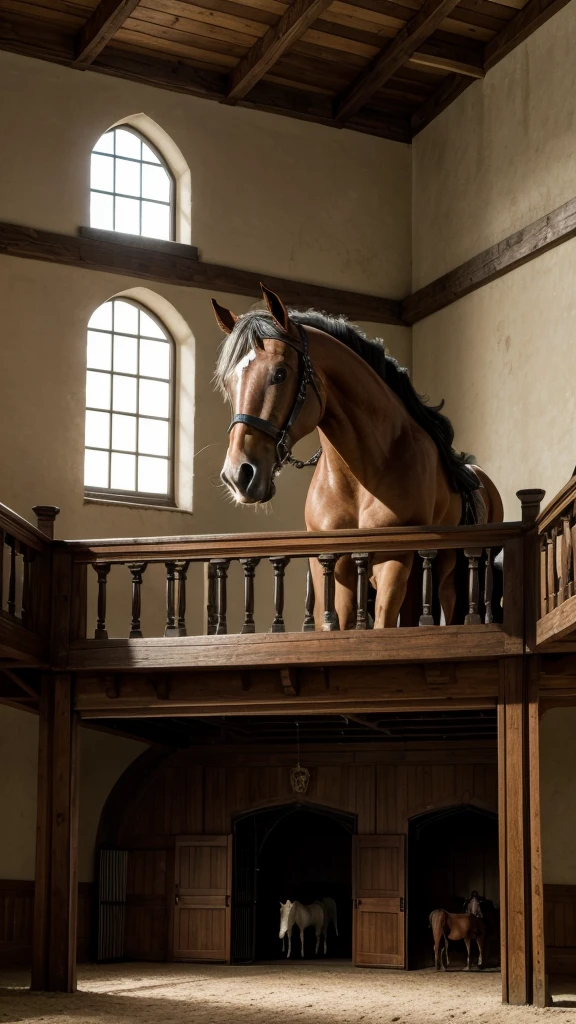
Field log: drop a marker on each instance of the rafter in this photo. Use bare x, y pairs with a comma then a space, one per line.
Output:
400, 50
101, 26
531, 17
266, 51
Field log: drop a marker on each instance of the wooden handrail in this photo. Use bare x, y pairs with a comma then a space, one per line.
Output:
17, 527
559, 503
295, 543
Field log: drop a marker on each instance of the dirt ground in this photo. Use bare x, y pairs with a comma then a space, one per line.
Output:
326, 993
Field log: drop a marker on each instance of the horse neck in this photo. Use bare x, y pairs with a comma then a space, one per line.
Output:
363, 417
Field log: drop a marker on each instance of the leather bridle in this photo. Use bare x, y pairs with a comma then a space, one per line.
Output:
307, 378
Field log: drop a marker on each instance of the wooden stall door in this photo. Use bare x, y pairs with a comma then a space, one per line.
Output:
203, 870
378, 889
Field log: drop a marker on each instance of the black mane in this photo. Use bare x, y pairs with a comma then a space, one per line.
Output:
254, 327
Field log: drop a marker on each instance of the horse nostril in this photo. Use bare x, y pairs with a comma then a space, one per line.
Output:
246, 475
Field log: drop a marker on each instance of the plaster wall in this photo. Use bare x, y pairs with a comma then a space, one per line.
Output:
502, 155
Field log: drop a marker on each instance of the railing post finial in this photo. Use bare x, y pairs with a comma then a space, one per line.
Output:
45, 517
530, 499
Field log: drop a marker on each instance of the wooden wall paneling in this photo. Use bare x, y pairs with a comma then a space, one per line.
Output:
146, 935
379, 892
560, 928
216, 815
16, 917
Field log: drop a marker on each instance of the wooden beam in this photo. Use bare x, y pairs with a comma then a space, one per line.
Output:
539, 989
514, 251
101, 26
117, 254
15, 678
295, 21
409, 38
535, 14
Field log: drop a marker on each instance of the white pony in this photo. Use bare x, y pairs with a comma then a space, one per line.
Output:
318, 915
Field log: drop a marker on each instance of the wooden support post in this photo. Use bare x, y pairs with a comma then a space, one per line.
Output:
539, 986
56, 889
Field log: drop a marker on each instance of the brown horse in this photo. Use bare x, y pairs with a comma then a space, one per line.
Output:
387, 458
467, 926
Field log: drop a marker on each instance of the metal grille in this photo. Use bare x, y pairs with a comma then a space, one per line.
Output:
112, 904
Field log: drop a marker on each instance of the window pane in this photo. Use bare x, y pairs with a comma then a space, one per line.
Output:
149, 328
101, 318
127, 216
125, 354
97, 390
155, 359
127, 177
124, 392
148, 154
98, 429
99, 349
125, 317
101, 211
102, 173
152, 475
153, 437
124, 433
155, 184
96, 469
154, 398
156, 220
123, 472
127, 144
105, 143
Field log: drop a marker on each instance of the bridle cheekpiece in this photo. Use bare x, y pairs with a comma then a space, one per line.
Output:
307, 378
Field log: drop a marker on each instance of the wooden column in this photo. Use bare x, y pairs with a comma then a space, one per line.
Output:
55, 902
539, 978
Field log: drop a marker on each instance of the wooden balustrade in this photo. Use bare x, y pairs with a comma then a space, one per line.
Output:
556, 606
24, 585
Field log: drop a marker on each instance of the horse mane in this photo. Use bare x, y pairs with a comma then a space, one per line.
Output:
252, 328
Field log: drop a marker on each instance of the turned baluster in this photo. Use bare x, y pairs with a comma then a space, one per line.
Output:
279, 565
473, 617
27, 614
210, 590
137, 570
551, 569
309, 625
101, 633
170, 628
249, 567
221, 566
2, 543
181, 577
361, 561
488, 588
12, 578
564, 557
543, 576
427, 619
328, 563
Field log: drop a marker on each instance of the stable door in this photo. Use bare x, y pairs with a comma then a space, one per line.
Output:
202, 876
379, 934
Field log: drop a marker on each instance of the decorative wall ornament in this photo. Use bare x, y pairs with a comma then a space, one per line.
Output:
299, 776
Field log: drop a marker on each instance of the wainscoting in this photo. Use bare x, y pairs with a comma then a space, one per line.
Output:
16, 922
560, 928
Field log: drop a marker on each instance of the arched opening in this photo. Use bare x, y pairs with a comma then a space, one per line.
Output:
298, 852
451, 852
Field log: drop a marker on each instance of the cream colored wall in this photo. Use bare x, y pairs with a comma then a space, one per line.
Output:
103, 758
503, 358
558, 795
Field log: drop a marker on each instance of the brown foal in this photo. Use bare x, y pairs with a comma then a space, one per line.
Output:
379, 467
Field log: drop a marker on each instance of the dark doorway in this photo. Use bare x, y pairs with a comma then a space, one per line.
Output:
299, 853
451, 853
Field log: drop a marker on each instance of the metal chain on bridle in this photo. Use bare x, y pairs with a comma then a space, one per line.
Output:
281, 435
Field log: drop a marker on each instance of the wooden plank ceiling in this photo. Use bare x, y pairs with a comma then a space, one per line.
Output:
382, 67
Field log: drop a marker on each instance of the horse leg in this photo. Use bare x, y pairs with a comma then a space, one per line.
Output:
480, 944
301, 942
391, 578
468, 945
289, 945
317, 942
446, 950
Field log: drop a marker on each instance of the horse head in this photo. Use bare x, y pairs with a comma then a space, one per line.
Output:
473, 905
265, 372
285, 909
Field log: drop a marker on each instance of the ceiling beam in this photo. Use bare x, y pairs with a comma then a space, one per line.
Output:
295, 21
101, 26
530, 18
15, 678
400, 50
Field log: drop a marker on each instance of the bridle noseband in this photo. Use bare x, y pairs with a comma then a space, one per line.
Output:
281, 434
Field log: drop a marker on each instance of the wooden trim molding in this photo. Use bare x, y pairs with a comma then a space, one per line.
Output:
16, 921
518, 248
160, 263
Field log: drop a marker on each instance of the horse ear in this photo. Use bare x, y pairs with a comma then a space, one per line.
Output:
225, 318
276, 307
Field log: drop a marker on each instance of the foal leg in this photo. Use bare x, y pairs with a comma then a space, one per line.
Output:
446, 950
480, 944
391, 577
468, 945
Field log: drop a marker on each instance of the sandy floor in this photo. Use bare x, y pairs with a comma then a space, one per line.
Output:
328, 993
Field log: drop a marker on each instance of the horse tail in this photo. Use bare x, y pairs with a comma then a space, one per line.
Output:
330, 913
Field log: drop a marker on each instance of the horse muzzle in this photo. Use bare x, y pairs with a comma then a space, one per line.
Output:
249, 483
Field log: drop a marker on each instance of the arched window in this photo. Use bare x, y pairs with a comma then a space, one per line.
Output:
129, 405
131, 187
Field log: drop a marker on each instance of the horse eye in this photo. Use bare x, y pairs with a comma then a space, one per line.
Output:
278, 376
